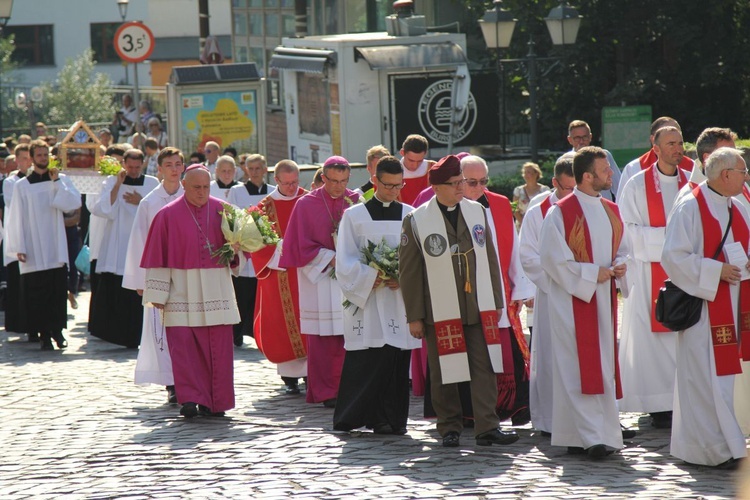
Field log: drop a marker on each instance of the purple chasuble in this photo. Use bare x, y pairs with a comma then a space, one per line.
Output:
177, 236
314, 219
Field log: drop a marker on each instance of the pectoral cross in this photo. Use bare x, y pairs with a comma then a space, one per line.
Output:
724, 335
359, 327
449, 338
393, 326
208, 247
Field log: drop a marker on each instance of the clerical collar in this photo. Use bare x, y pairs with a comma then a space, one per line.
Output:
21, 175
379, 210
225, 186
129, 181
384, 203
450, 213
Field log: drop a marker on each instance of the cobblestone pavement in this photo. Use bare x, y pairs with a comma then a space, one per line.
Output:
73, 425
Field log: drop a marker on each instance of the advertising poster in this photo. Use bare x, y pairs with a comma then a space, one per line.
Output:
228, 118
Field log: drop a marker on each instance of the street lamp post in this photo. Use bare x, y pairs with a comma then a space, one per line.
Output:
498, 25
122, 6
6, 6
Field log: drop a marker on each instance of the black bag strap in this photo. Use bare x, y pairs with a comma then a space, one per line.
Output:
726, 232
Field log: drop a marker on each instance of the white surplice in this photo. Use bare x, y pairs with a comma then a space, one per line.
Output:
8, 184
35, 226
320, 310
647, 358
704, 427
541, 375
219, 192
377, 317
581, 420
96, 226
119, 218
154, 364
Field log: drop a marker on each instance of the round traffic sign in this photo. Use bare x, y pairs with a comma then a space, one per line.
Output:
134, 42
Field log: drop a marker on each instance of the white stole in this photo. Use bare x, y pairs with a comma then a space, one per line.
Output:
454, 362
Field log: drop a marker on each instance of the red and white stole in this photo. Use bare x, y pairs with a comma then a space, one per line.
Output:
505, 230
657, 218
578, 238
721, 315
649, 158
446, 312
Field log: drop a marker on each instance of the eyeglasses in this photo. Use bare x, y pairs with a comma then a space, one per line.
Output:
342, 182
209, 150
744, 171
287, 184
454, 184
392, 186
579, 138
474, 182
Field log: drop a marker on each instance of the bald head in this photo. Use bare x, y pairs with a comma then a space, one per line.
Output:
197, 185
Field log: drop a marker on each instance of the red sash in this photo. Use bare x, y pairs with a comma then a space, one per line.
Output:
720, 311
657, 218
746, 192
649, 158
545, 206
502, 216
585, 314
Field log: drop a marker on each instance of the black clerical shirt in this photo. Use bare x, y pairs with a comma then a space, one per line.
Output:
379, 210
34, 177
129, 181
450, 213
252, 189
227, 186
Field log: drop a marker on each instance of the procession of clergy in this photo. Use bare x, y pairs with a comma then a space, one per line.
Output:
322, 312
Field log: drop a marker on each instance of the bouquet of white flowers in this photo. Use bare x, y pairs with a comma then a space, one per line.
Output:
380, 257
250, 228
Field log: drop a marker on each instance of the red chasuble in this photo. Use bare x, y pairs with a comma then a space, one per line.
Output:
720, 311
413, 187
276, 323
649, 158
585, 314
657, 218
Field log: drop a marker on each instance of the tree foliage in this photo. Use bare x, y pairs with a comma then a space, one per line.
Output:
79, 92
686, 58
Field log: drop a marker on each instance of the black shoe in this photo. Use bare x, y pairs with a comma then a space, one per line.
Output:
60, 340
628, 433
401, 431
171, 395
575, 450
291, 389
522, 416
238, 339
546, 434
330, 403
46, 343
496, 436
731, 464
382, 429
598, 451
33, 337
206, 412
189, 410
451, 439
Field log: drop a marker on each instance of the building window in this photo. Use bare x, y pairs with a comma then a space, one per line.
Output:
313, 108
34, 44
103, 42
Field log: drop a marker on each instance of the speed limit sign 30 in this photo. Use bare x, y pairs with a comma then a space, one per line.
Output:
134, 42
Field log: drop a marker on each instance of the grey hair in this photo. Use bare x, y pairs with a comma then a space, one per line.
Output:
226, 159
720, 160
474, 160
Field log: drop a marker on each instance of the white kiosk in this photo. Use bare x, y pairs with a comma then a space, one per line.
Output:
346, 93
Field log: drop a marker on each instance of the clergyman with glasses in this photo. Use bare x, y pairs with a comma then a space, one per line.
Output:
457, 313
579, 136
374, 389
310, 247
